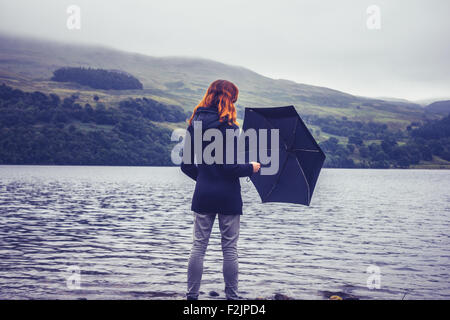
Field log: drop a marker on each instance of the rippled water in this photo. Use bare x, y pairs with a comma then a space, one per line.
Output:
128, 229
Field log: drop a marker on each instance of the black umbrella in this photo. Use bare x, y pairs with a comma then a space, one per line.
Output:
300, 157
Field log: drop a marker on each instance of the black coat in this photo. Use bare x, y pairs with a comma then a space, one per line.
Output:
217, 188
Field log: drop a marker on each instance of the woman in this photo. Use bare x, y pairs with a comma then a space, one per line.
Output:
217, 188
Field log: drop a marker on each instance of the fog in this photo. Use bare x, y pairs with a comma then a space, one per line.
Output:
325, 43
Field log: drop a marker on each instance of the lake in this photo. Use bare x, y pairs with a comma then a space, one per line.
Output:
70, 232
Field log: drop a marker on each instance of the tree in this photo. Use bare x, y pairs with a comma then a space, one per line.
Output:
387, 144
354, 139
97, 78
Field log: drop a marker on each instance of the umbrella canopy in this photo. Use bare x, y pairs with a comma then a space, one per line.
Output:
300, 157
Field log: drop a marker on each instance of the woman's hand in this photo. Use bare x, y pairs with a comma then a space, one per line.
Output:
256, 166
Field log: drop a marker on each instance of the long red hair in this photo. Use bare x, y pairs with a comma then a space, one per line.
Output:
223, 94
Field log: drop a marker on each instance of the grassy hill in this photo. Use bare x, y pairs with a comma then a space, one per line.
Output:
29, 64
351, 128
439, 107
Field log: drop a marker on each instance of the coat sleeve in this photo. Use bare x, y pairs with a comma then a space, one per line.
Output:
187, 163
235, 169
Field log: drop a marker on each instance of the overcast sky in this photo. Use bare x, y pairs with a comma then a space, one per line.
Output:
324, 43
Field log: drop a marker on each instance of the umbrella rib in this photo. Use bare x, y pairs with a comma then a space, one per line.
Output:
295, 131
278, 178
296, 159
306, 180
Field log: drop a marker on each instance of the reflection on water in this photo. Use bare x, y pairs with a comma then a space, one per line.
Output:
129, 230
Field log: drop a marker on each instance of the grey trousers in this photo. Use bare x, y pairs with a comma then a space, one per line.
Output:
229, 230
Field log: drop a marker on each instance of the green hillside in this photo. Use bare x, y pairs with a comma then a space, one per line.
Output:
439, 107
354, 131
29, 64
36, 128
